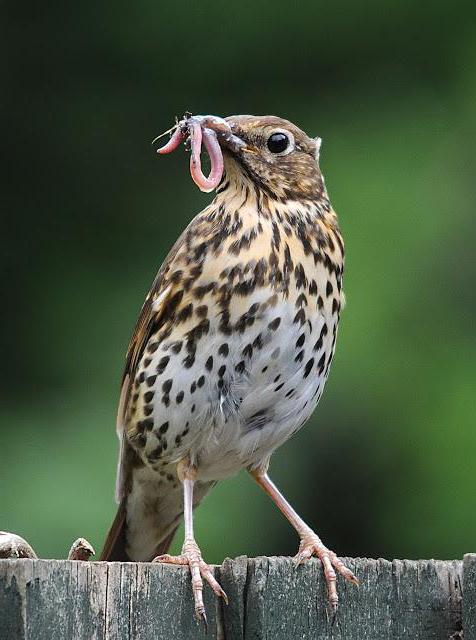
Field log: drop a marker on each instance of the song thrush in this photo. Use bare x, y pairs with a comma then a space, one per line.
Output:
234, 342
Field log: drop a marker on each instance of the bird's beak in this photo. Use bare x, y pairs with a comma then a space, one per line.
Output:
224, 132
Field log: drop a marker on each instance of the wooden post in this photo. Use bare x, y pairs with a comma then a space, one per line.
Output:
469, 600
270, 598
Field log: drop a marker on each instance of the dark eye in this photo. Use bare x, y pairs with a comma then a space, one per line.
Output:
278, 142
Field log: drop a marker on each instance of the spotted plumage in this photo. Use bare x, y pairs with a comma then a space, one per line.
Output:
233, 345
223, 316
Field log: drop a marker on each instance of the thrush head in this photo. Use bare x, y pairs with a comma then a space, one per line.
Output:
276, 156
272, 153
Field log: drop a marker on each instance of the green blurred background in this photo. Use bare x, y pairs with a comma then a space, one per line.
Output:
387, 465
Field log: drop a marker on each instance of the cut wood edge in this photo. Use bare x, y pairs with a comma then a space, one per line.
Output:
469, 596
13, 546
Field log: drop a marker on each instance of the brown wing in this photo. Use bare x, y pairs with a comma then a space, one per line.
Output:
159, 304
150, 317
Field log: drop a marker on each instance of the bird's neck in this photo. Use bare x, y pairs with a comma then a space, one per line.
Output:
242, 198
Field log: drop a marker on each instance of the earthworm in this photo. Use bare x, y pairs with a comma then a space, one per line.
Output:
198, 133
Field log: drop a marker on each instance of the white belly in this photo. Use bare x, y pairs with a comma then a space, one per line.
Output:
245, 393
271, 399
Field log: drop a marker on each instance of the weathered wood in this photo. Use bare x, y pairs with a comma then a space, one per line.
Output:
469, 599
270, 598
13, 546
81, 549
399, 599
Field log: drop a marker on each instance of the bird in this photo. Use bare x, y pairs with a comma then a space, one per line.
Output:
234, 342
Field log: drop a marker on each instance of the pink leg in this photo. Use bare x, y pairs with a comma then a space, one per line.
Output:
310, 544
191, 554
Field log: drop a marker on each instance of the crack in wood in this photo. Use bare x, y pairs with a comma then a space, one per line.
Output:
270, 598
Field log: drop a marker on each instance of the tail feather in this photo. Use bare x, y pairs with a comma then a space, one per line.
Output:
114, 549
147, 518
164, 546
115, 545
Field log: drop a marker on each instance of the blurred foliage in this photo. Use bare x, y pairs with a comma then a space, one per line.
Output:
387, 464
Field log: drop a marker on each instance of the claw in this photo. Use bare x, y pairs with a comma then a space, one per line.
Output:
200, 570
333, 618
203, 618
312, 545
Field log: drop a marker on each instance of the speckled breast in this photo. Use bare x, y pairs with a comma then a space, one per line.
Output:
243, 362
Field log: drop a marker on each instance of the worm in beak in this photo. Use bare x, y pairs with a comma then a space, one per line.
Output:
212, 130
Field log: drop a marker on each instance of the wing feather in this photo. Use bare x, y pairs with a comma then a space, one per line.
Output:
150, 317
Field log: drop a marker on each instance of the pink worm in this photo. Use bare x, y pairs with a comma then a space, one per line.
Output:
216, 158
173, 143
214, 151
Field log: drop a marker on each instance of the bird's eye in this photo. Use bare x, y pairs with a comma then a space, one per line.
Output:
278, 142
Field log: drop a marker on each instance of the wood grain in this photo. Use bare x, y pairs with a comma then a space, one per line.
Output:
469, 599
270, 599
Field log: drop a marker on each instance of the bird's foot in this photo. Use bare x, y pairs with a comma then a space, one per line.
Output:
192, 556
311, 545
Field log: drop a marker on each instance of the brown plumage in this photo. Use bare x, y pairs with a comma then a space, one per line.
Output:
234, 342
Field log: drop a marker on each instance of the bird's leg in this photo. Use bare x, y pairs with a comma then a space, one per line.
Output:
191, 554
310, 544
